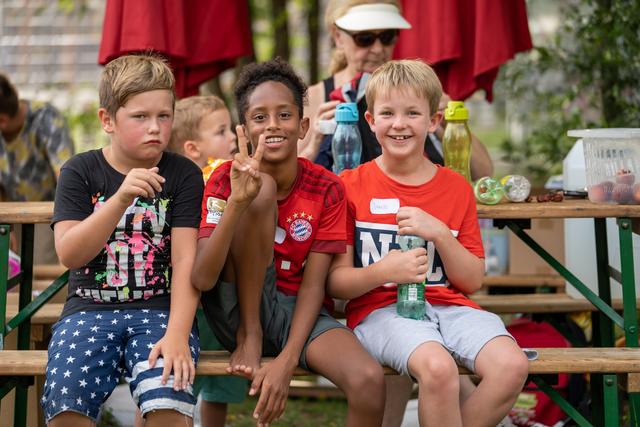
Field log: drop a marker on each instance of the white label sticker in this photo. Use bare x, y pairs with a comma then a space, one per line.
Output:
285, 265
384, 206
280, 235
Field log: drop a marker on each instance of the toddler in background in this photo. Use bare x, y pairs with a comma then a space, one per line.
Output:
202, 132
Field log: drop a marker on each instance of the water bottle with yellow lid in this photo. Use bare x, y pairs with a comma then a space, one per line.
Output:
456, 143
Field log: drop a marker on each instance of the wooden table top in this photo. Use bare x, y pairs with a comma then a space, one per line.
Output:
570, 208
25, 212
41, 212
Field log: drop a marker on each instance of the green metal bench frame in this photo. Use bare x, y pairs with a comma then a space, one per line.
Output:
604, 387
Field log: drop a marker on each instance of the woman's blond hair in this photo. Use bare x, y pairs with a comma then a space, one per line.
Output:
131, 75
188, 116
405, 75
335, 10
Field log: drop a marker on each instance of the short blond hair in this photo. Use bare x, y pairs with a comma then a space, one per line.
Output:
131, 75
188, 114
337, 9
405, 74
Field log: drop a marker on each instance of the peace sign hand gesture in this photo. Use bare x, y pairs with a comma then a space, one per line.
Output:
245, 176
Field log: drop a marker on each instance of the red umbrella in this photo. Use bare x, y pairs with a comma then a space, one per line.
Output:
200, 38
465, 41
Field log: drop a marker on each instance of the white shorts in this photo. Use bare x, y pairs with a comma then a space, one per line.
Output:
462, 330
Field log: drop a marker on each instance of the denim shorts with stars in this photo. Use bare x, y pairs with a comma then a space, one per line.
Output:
89, 352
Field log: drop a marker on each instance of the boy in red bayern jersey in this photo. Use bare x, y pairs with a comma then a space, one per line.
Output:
270, 226
402, 192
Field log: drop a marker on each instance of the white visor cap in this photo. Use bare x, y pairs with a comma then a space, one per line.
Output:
375, 16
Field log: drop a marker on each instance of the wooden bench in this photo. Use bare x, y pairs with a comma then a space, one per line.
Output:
550, 361
48, 271
500, 304
538, 303
524, 281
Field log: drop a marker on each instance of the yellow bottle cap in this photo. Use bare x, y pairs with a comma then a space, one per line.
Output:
456, 111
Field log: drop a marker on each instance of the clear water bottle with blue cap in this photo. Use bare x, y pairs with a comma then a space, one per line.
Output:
410, 302
346, 145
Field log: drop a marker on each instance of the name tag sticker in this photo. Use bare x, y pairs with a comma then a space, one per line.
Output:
384, 206
280, 235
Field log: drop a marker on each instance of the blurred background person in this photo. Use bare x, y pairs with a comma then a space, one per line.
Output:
34, 144
364, 34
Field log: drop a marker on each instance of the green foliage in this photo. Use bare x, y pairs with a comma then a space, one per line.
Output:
298, 413
262, 29
107, 419
85, 128
73, 6
586, 78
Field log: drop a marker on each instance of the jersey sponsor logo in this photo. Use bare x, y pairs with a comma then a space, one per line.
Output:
300, 229
373, 241
215, 207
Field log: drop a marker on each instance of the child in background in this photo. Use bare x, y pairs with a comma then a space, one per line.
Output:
125, 223
402, 192
268, 297
202, 132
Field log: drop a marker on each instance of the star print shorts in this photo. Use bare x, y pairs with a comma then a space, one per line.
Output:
90, 351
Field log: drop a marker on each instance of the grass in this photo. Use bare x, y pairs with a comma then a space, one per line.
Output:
300, 412
107, 419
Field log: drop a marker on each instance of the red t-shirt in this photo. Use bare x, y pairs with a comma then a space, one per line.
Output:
311, 218
373, 200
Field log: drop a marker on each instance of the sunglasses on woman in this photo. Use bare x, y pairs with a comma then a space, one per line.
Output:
367, 38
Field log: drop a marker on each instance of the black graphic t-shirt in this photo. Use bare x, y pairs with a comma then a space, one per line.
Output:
134, 267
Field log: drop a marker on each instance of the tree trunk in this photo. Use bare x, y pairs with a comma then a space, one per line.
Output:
608, 73
280, 20
313, 25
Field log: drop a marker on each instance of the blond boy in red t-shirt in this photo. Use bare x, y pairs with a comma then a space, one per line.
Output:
403, 193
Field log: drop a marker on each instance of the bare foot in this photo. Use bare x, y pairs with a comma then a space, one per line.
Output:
245, 359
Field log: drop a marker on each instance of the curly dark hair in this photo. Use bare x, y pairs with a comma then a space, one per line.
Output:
275, 70
8, 97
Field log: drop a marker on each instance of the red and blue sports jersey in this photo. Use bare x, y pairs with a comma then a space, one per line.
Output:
373, 200
312, 218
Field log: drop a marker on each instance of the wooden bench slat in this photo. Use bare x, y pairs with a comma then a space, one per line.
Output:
26, 212
47, 315
501, 304
524, 280
550, 360
538, 303
48, 271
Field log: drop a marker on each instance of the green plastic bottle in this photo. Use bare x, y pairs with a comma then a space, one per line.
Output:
456, 143
411, 303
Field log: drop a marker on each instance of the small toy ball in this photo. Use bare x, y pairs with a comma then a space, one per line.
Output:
516, 188
488, 191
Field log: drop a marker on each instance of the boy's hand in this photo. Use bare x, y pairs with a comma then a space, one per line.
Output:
415, 221
272, 382
245, 176
405, 267
139, 182
177, 357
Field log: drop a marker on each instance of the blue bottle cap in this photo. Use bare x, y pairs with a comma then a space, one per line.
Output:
347, 112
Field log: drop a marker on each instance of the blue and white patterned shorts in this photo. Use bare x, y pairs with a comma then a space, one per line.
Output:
89, 352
